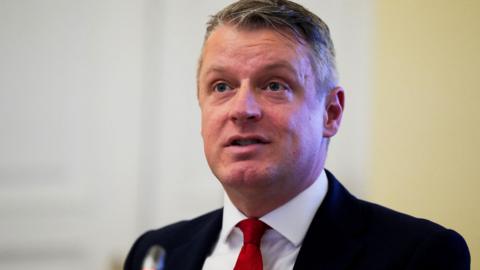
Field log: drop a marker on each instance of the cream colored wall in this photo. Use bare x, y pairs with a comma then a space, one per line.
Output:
426, 109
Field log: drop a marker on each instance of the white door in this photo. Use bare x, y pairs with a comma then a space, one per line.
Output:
70, 118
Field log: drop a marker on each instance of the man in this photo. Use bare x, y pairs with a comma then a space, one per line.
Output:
270, 102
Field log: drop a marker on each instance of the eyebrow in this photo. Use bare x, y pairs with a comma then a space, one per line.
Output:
282, 64
215, 69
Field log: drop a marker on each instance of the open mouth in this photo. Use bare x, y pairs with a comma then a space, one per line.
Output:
246, 141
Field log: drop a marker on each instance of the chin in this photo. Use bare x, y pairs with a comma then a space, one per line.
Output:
246, 176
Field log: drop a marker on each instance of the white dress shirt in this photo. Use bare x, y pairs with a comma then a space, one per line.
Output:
280, 244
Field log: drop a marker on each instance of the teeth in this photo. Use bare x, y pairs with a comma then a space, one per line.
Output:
245, 142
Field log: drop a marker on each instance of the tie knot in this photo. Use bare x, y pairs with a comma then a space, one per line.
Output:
253, 230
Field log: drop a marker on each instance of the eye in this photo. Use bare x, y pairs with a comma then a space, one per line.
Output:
275, 86
221, 87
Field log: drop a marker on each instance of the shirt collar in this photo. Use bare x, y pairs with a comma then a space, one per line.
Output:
290, 220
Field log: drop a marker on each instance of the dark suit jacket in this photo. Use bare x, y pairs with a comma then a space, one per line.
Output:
346, 233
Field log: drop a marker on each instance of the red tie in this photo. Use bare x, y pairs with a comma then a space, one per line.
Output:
250, 257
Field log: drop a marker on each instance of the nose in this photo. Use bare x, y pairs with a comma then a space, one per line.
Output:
245, 107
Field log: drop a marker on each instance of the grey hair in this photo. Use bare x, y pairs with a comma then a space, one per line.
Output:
288, 18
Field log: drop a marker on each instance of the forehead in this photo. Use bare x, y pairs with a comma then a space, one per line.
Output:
244, 48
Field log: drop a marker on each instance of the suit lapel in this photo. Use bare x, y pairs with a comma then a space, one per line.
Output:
333, 239
192, 254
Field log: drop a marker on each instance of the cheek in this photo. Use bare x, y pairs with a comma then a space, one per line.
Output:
210, 128
304, 128
203, 127
207, 133
207, 116
288, 126
296, 121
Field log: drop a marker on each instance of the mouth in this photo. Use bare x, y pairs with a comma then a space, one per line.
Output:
246, 141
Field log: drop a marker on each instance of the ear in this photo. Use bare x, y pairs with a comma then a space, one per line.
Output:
332, 117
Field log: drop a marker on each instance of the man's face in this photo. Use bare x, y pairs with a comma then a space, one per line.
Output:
262, 118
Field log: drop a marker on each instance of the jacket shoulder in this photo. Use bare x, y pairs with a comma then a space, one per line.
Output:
414, 242
170, 237
389, 220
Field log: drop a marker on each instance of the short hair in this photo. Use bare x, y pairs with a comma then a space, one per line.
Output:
286, 17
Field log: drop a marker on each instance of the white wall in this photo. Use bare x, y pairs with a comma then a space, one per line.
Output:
71, 78
100, 127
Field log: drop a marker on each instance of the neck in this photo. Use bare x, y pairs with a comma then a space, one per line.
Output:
255, 202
